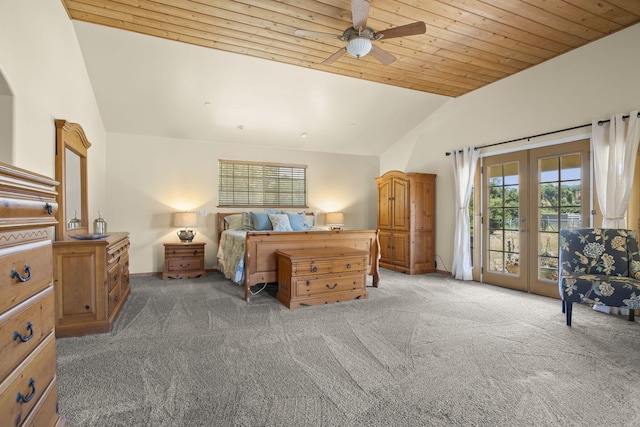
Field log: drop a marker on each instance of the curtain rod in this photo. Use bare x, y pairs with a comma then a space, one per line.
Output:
600, 123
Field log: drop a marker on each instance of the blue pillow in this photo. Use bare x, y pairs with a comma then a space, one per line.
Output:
261, 221
297, 221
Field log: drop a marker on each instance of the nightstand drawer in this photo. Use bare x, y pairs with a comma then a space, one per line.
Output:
329, 284
185, 251
185, 264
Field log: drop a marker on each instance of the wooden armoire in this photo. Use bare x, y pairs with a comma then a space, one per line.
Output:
406, 221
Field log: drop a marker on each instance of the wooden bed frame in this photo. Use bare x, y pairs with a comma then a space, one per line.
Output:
261, 261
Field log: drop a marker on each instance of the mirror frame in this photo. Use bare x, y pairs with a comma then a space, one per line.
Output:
71, 136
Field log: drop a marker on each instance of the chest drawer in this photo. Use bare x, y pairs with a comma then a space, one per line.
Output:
23, 328
24, 272
329, 284
326, 266
20, 392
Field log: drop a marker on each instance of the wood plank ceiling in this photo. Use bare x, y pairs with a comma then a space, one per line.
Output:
468, 43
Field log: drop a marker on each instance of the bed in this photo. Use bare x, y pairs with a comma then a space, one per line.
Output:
250, 257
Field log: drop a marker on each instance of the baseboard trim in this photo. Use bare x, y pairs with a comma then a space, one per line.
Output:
159, 273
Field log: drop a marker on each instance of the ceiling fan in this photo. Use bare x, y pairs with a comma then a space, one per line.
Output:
359, 36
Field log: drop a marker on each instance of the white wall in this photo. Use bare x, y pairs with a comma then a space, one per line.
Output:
592, 82
41, 62
150, 178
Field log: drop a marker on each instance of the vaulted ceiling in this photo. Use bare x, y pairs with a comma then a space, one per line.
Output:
467, 44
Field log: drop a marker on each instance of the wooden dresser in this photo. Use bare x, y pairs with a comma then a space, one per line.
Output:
28, 388
406, 220
321, 276
91, 280
183, 260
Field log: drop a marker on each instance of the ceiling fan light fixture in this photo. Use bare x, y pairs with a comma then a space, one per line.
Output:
359, 46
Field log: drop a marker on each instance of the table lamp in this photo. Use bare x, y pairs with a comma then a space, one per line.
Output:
186, 220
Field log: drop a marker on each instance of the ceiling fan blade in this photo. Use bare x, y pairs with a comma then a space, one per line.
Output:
402, 31
360, 13
333, 57
382, 55
305, 33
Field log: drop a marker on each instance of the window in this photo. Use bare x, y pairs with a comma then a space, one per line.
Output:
261, 184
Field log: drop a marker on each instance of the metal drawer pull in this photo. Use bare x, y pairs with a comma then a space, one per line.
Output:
314, 269
348, 265
24, 399
335, 285
17, 335
15, 274
48, 208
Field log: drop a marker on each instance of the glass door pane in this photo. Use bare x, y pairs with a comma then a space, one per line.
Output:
503, 220
561, 178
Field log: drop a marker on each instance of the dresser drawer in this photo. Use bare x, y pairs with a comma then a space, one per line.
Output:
45, 413
339, 265
116, 250
185, 264
114, 298
20, 392
329, 284
23, 328
24, 272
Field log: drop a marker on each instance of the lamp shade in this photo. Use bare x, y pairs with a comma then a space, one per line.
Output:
335, 218
359, 46
185, 219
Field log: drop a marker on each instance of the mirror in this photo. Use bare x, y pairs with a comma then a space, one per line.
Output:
71, 173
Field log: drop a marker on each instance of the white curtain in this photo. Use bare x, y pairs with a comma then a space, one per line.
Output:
464, 169
614, 146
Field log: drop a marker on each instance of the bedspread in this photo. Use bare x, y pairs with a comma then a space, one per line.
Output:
231, 254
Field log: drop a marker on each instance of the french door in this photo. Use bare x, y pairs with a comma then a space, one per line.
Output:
527, 197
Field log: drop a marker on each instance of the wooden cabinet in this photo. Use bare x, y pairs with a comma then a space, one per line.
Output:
406, 221
183, 260
321, 276
91, 281
28, 387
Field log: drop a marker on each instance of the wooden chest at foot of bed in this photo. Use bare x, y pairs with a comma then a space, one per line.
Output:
321, 276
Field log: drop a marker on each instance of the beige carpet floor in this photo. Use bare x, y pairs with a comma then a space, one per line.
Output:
422, 350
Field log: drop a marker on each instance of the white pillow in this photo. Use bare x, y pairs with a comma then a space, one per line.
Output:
280, 222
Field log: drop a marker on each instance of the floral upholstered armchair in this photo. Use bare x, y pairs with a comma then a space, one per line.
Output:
600, 266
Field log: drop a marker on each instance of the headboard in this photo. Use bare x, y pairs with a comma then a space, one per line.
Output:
222, 225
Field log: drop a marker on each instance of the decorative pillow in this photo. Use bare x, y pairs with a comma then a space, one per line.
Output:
280, 222
247, 221
261, 221
297, 221
234, 222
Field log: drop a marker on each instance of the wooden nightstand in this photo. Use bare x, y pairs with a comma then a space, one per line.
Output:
183, 260
321, 276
